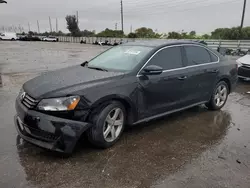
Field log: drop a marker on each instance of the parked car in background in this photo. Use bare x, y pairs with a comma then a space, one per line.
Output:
239, 52
126, 85
29, 38
244, 67
8, 36
50, 39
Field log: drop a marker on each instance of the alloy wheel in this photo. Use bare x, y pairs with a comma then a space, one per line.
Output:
113, 124
220, 95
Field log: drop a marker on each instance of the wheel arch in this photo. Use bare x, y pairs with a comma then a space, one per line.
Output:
130, 107
228, 82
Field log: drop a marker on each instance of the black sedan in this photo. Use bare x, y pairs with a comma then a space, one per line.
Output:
126, 85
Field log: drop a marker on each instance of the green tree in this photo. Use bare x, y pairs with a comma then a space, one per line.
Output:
144, 32
87, 33
31, 33
132, 35
174, 35
72, 25
234, 33
205, 36
192, 33
110, 33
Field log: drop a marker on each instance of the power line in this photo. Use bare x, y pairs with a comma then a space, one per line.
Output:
160, 7
165, 11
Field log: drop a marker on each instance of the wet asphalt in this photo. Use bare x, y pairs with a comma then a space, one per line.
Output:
193, 148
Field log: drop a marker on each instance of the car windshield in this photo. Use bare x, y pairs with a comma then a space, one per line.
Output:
120, 58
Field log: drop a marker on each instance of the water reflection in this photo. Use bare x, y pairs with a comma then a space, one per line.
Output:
145, 153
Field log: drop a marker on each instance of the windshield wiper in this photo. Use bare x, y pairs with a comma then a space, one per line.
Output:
98, 68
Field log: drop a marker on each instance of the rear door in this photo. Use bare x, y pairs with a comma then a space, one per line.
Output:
202, 70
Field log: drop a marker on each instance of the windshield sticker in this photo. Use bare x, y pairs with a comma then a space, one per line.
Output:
132, 52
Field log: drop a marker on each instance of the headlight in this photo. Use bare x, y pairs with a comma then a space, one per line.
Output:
59, 104
239, 63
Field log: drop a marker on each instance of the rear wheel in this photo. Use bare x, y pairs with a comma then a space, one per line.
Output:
108, 125
219, 96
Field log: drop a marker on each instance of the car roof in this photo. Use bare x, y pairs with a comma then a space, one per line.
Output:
160, 43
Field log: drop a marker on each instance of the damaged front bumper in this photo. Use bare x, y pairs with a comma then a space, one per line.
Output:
47, 131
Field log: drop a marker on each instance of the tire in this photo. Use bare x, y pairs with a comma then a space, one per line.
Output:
104, 133
13, 39
219, 96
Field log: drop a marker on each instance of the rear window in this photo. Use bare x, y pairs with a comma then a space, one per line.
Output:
197, 55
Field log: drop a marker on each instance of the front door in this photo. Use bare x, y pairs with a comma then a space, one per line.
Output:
163, 92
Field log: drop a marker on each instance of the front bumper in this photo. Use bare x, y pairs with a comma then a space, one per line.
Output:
244, 72
47, 131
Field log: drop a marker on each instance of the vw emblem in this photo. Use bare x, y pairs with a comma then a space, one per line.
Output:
22, 96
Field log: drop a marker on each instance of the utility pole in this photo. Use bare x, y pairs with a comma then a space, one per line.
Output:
38, 28
50, 24
122, 15
77, 19
243, 14
20, 28
56, 25
131, 29
29, 26
116, 26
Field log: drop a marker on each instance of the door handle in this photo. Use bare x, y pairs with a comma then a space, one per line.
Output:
212, 71
182, 78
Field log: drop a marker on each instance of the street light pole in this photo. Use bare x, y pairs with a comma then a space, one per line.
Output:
122, 16
243, 14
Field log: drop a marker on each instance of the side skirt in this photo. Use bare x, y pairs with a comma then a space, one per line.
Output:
167, 113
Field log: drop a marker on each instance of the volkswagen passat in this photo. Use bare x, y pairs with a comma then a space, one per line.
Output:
125, 85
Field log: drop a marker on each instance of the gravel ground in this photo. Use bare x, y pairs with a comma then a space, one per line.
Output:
194, 148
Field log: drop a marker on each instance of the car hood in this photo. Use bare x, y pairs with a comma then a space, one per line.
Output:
244, 60
76, 77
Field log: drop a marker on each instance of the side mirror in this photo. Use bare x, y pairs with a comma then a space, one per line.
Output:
152, 70
84, 63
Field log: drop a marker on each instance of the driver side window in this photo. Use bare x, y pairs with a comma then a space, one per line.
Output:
168, 58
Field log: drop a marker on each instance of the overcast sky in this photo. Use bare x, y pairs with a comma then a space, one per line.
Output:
161, 15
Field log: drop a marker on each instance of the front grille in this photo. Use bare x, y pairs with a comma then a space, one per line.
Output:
40, 134
28, 101
244, 71
246, 66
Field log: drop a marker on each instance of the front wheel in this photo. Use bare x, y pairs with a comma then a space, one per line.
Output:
108, 125
219, 96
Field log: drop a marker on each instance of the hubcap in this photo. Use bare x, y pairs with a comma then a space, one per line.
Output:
220, 95
113, 124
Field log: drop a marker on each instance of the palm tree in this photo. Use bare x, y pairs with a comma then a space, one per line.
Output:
2, 1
